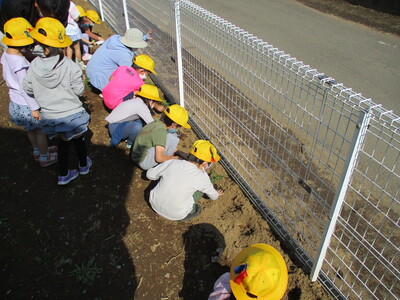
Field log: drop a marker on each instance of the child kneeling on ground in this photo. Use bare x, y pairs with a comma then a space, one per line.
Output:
158, 141
182, 183
127, 119
56, 83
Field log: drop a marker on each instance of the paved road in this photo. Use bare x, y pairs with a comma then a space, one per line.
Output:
363, 59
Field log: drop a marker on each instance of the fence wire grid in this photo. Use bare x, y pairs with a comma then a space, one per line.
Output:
290, 136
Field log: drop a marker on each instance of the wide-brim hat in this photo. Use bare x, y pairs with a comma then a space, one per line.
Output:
150, 92
133, 38
16, 32
55, 33
178, 114
259, 270
146, 62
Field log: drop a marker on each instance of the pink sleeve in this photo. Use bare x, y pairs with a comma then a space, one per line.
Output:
222, 288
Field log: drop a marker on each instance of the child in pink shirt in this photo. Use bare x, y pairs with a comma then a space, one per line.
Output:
126, 81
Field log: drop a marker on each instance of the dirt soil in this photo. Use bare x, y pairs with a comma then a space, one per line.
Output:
98, 238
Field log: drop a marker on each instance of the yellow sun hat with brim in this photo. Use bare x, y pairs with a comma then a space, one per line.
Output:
146, 62
259, 271
54, 33
149, 91
93, 16
178, 114
16, 33
82, 12
205, 151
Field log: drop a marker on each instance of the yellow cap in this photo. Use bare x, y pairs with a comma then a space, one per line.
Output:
205, 151
146, 62
82, 12
178, 114
150, 92
261, 271
16, 32
54, 33
93, 16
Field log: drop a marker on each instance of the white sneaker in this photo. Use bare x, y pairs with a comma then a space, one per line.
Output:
86, 56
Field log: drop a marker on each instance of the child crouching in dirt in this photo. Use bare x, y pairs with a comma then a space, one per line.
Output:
182, 183
127, 119
158, 141
24, 110
56, 83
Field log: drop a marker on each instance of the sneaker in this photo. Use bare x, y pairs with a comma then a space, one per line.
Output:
52, 157
86, 56
72, 174
50, 149
85, 170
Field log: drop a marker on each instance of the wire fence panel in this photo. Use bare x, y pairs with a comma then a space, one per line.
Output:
285, 131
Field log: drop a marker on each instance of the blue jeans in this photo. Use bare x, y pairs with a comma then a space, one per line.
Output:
125, 130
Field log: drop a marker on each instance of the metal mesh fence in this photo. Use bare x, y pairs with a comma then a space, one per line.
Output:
285, 131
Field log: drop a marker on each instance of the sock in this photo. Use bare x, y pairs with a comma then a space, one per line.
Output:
80, 146
43, 157
36, 151
63, 156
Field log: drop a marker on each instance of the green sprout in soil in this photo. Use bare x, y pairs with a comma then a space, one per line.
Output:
215, 177
85, 274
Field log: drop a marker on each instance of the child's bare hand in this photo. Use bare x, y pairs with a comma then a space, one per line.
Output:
220, 192
149, 33
36, 114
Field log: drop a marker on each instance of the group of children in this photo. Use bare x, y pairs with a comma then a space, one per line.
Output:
44, 94
44, 99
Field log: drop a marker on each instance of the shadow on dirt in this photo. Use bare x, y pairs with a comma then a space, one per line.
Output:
67, 241
203, 245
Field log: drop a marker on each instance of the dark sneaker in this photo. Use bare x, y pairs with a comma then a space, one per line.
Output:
72, 174
85, 170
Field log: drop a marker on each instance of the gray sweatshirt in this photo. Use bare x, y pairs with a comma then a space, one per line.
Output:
56, 90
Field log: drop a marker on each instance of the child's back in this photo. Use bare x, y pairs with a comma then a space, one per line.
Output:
56, 85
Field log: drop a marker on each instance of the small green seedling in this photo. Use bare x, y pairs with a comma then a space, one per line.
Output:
215, 177
85, 274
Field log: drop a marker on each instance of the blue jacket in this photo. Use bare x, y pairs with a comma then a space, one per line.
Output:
111, 54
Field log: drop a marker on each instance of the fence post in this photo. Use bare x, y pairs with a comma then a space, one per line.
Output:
179, 52
125, 14
357, 141
101, 9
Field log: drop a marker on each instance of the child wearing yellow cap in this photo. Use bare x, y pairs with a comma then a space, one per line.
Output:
158, 141
126, 81
257, 272
56, 82
85, 23
127, 119
183, 182
24, 109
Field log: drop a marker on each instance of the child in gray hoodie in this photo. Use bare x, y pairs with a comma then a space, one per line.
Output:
56, 83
